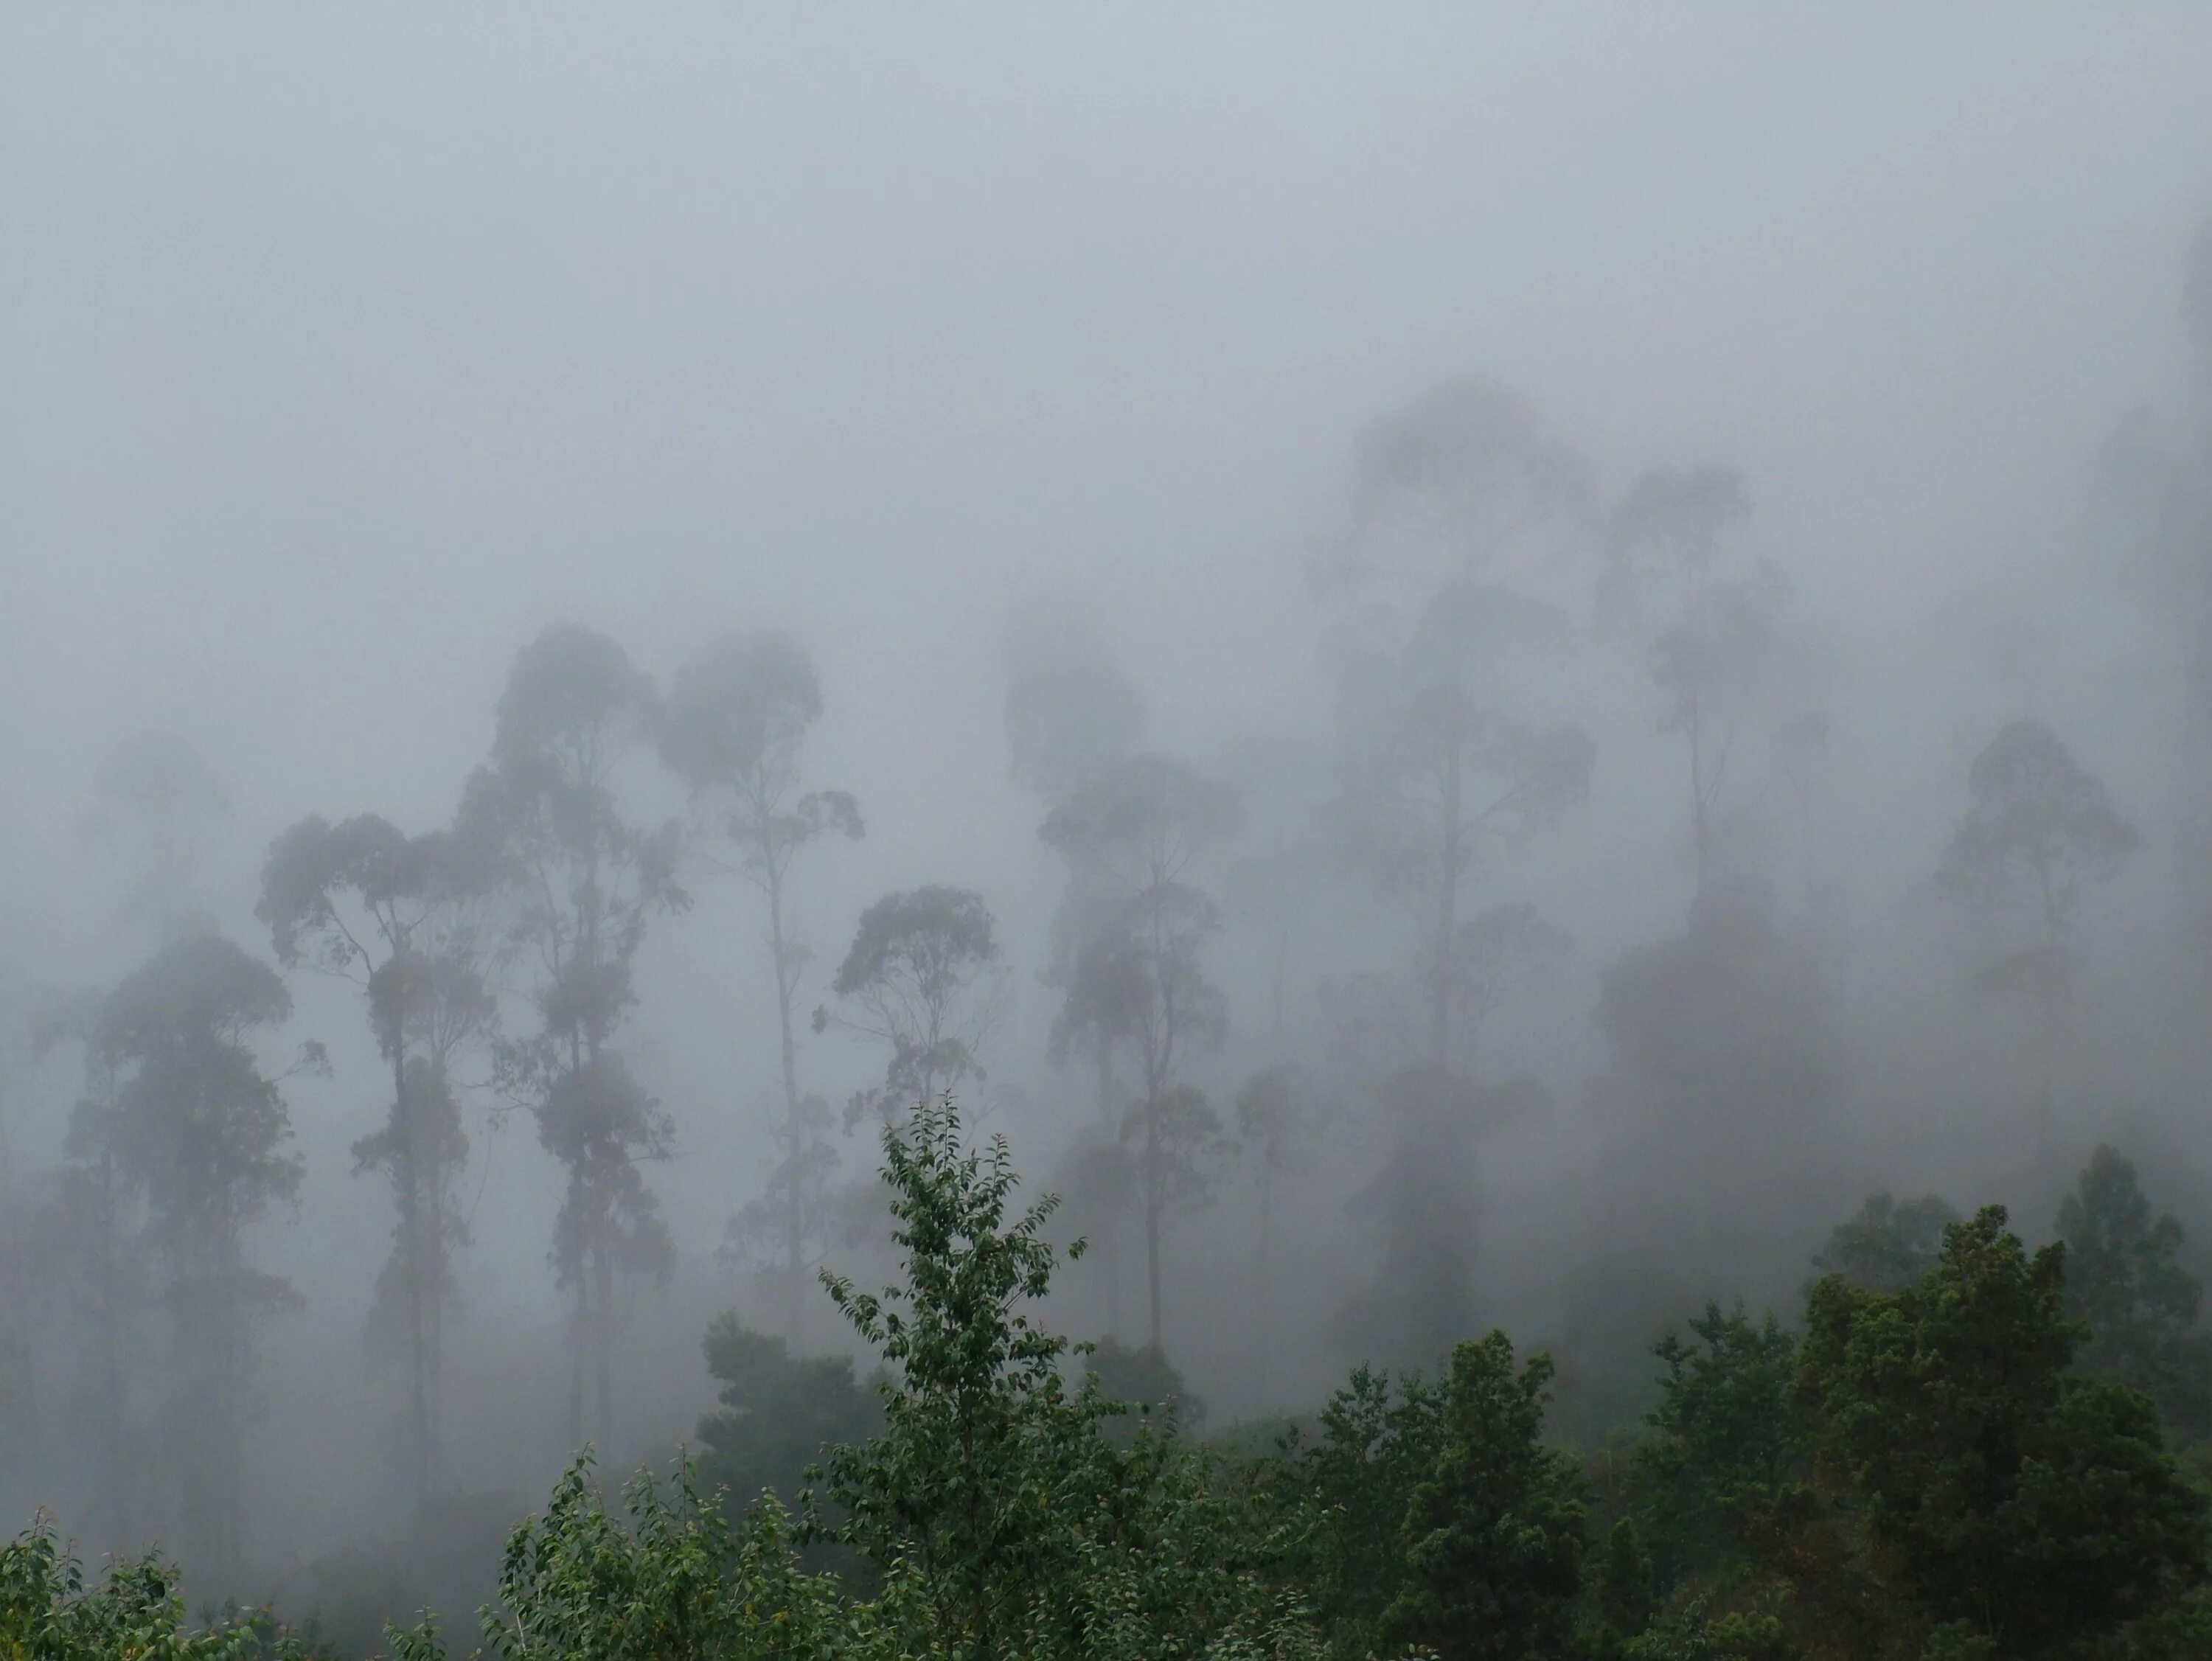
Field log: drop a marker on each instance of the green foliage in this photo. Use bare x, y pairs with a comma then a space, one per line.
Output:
1005, 1521
1142, 1379
1694, 1634
2139, 1304
2039, 1508
1494, 1533
48, 1612
1624, 1588
1889, 1245
1349, 1489
680, 1583
1730, 1440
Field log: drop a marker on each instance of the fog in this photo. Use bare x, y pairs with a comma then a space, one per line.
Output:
345, 355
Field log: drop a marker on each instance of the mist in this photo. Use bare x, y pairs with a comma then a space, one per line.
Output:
1727, 449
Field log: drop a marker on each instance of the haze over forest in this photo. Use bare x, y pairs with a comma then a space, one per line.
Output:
1474, 605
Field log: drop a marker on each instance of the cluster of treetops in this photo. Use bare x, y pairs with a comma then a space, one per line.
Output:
1966, 1451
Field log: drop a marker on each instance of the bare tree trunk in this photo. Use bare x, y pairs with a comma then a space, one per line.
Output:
1264, 1299
578, 1322
1152, 1215
411, 1269
1440, 990
795, 1127
602, 1334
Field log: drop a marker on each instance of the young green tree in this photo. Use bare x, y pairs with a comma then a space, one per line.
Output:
2139, 1304
1730, 1441
1350, 1486
203, 1131
579, 885
400, 918
1494, 1533
2038, 829
1007, 1524
734, 731
2032, 1506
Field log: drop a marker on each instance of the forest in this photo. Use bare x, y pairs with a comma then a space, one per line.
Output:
986, 858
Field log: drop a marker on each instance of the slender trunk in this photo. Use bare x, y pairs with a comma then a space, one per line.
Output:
1440, 988
109, 1358
411, 1268
1264, 1298
579, 1318
1152, 1215
794, 1123
603, 1335
2049, 990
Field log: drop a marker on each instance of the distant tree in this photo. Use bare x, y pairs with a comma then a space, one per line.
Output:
2036, 829
778, 1411
95, 1221
2034, 1508
400, 918
1722, 1051
735, 732
1141, 980
1461, 505
580, 885
202, 1131
1494, 1533
1275, 1121
921, 978
1713, 624
1351, 1486
1440, 776
153, 796
2139, 1304
1421, 1207
1890, 1244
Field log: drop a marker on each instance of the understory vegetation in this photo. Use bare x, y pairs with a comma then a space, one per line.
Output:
1963, 1450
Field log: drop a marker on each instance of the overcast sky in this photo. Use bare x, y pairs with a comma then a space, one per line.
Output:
343, 348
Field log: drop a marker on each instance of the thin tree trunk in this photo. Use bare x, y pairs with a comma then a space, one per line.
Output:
604, 1347
1152, 1215
795, 1127
578, 1316
412, 1274
1264, 1300
1447, 912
